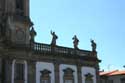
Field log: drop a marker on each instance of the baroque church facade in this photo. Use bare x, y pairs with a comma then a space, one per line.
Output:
22, 60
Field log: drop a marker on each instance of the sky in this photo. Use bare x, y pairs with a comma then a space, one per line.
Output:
100, 20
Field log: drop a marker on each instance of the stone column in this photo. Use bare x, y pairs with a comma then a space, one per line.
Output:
31, 71
79, 68
57, 73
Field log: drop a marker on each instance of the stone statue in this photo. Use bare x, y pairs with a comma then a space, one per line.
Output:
93, 44
75, 42
32, 34
54, 38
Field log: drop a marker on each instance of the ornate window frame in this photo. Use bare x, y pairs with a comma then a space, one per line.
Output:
45, 76
19, 71
68, 76
25, 72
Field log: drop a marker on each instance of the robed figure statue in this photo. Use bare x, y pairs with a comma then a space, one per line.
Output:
75, 42
93, 44
32, 35
54, 38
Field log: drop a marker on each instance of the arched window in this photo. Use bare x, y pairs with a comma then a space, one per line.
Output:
89, 78
45, 76
68, 75
19, 73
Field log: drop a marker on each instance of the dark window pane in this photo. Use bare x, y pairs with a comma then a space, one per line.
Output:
19, 71
68, 81
123, 80
45, 81
110, 81
89, 81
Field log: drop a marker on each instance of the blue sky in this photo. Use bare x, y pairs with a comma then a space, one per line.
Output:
101, 20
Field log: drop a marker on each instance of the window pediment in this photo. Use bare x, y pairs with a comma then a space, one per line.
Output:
88, 75
68, 71
89, 78
45, 71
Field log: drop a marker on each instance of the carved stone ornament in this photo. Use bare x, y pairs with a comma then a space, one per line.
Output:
88, 76
45, 73
20, 35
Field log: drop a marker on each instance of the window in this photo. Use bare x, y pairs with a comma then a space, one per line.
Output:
123, 80
19, 71
20, 7
68, 81
68, 75
110, 81
45, 76
88, 78
45, 81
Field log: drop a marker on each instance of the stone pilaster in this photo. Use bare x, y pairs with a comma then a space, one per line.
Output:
3, 70
31, 71
7, 70
57, 73
79, 73
0, 70
97, 74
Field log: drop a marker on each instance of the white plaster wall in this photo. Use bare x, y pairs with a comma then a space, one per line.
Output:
86, 70
73, 67
40, 66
